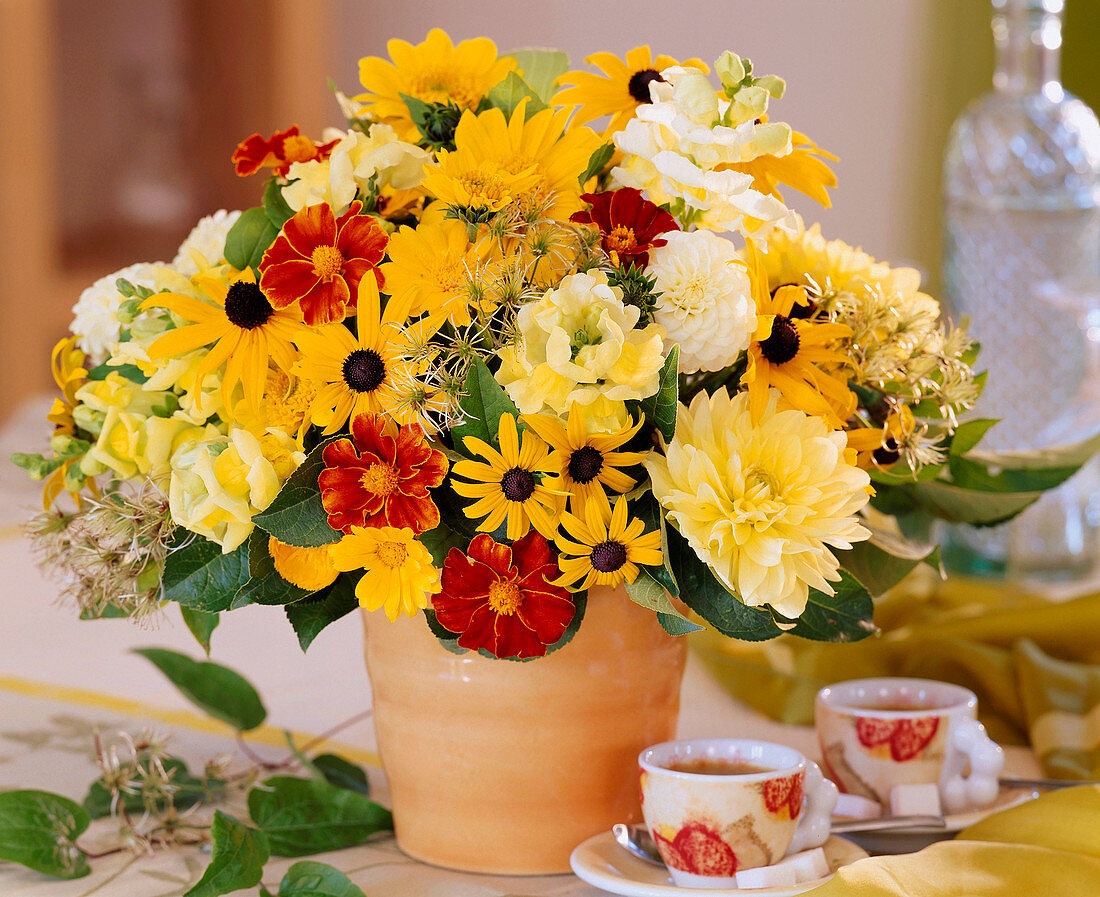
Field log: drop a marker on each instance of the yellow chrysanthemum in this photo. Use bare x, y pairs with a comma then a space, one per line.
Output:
495, 156
511, 484
285, 407
398, 572
761, 501
307, 568
609, 547
622, 88
434, 71
587, 462
246, 331
800, 169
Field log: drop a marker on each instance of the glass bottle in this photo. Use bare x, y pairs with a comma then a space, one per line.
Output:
1022, 207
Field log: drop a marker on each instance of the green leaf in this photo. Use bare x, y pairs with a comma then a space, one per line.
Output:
275, 206
39, 830
198, 575
598, 161
660, 408
249, 239
310, 615
513, 90
310, 879
648, 510
219, 691
956, 504
968, 435
884, 560
304, 816
483, 403
540, 68
648, 592
201, 623
296, 516
265, 585
237, 859
342, 773
843, 617
1027, 471
130, 371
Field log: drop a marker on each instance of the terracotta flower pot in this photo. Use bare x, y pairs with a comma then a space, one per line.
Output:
504, 767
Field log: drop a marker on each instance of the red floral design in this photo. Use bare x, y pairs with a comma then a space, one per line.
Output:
631, 225
786, 792
381, 477
699, 850
278, 152
906, 737
501, 598
319, 259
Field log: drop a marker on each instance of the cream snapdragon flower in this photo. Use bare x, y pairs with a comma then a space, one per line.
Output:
207, 238
761, 504
705, 302
579, 344
355, 161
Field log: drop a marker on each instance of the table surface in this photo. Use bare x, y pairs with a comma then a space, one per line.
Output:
62, 679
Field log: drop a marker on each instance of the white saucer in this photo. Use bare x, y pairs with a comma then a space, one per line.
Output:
910, 840
600, 861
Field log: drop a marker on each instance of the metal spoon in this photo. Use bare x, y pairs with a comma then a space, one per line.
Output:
637, 840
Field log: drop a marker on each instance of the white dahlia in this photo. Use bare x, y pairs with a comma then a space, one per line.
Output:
705, 301
761, 504
207, 238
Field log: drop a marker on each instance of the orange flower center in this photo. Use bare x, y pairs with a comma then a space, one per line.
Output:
505, 597
621, 239
298, 148
485, 187
392, 554
381, 479
327, 262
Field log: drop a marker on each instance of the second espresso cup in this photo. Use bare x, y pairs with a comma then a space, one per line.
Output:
715, 806
876, 734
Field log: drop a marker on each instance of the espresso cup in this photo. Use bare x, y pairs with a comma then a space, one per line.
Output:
718, 805
876, 734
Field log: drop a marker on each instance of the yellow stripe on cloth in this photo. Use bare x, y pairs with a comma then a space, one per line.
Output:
263, 734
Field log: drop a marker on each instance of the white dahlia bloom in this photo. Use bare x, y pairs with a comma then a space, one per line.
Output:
207, 238
761, 504
705, 301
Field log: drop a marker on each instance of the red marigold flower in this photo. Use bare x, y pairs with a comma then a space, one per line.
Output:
318, 261
279, 151
502, 598
631, 225
381, 477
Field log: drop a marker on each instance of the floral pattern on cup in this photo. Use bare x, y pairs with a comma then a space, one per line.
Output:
697, 848
783, 797
905, 738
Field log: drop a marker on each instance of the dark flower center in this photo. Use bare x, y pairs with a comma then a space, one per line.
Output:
782, 345
585, 464
517, 484
246, 306
364, 370
638, 86
607, 557
888, 453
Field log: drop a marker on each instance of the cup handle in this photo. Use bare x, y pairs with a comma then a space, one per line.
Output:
970, 746
813, 827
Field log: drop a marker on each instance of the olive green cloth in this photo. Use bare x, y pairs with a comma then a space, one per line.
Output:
1034, 664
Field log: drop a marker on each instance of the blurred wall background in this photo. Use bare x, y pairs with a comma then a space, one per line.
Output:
122, 114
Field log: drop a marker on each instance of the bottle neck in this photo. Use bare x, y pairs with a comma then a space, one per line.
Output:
1027, 35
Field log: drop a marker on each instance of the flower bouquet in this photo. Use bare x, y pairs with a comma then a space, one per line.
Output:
516, 333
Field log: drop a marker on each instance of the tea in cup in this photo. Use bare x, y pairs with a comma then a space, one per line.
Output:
716, 806
877, 734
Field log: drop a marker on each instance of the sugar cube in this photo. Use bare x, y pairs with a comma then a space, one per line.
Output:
809, 865
778, 876
852, 806
915, 800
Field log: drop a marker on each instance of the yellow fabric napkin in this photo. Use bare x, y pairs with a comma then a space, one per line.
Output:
1034, 664
1049, 846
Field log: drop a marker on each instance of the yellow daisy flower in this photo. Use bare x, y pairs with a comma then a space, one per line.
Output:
511, 485
285, 407
398, 572
354, 375
434, 71
246, 331
623, 87
800, 169
608, 548
585, 462
307, 568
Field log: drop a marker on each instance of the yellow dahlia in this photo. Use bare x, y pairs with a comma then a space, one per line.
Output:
434, 71
606, 547
761, 501
398, 574
623, 87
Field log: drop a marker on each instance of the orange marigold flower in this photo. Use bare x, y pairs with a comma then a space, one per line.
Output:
502, 598
278, 152
381, 477
319, 259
